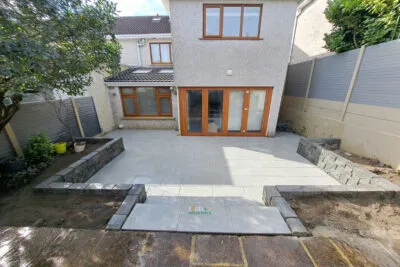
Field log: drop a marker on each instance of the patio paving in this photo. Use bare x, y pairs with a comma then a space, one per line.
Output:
160, 157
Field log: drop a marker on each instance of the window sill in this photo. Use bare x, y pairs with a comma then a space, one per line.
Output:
148, 118
162, 64
230, 39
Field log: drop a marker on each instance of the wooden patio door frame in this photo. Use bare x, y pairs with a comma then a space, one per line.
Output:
225, 111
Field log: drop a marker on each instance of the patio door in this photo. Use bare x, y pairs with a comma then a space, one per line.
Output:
224, 111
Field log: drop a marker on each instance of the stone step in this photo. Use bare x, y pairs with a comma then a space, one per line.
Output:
207, 216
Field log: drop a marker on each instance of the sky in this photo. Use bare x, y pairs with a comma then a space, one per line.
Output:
139, 7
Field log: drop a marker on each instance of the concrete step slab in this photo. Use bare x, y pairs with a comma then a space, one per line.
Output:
157, 217
206, 215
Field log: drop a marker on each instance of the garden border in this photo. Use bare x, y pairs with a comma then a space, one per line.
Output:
278, 195
343, 170
356, 181
71, 180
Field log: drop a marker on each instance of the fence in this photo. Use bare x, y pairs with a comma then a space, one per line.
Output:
60, 120
354, 96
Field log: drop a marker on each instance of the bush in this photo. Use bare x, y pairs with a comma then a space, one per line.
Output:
39, 149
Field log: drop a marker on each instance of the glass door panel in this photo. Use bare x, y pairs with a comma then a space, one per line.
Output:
215, 104
256, 110
194, 111
235, 110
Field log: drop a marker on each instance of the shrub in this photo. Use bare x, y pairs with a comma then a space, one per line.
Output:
39, 149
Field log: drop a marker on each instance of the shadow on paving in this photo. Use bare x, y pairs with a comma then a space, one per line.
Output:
63, 247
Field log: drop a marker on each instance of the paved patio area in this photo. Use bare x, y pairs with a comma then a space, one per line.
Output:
163, 158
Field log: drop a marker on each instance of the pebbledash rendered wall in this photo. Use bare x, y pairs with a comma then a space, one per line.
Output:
353, 96
204, 63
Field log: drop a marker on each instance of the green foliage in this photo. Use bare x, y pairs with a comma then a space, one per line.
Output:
53, 44
38, 150
361, 22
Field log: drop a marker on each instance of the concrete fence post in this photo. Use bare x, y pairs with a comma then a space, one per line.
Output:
352, 82
13, 139
78, 119
309, 84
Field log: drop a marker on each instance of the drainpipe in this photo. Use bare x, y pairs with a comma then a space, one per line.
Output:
140, 42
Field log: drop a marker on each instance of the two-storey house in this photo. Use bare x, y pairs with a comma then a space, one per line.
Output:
143, 96
229, 65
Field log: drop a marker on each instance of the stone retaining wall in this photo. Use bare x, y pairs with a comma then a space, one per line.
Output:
340, 168
71, 179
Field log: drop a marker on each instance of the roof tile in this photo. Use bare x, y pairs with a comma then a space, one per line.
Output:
141, 25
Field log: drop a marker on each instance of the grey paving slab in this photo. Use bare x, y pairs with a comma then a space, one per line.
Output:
163, 157
258, 220
153, 218
215, 220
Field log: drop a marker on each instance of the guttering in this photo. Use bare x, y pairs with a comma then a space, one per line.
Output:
150, 84
142, 36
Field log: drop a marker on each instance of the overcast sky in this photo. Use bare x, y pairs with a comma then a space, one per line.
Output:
139, 7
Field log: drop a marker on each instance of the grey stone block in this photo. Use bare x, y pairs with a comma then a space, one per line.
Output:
293, 191
384, 184
128, 204
51, 179
123, 187
58, 188
364, 181
95, 186
362, 173
140, 190
344, 179
353, 181
284, 208
296, 227
89, 156
108, 186
268, 193
78, 186
77, 163
66, 174
116, 222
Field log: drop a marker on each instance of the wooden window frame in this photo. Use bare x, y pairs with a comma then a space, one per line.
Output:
221, 22
159, 48
134, 96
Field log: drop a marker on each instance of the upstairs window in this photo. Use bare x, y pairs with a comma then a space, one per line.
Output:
160, 53
231, 21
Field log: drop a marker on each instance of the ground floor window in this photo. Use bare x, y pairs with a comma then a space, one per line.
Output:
146, 101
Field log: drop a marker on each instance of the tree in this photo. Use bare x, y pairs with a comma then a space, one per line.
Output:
361, 22
48, 45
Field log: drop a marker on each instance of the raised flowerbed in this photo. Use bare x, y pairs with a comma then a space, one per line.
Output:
319, 151
73, 177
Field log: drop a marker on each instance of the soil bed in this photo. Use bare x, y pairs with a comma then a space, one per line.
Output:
373, 165
334, 216
22, 207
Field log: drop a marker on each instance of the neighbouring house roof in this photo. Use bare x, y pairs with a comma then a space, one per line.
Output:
155, 75
142, 25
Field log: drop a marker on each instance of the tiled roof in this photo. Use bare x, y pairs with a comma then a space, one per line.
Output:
141, 25
153, 76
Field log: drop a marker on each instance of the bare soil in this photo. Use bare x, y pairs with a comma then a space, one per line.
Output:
23, 207
373, 165
372, 218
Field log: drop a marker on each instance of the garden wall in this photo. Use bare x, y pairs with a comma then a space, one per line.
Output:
353, 96
36, 117
81, 170
317, 151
